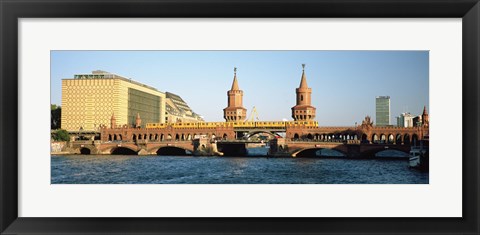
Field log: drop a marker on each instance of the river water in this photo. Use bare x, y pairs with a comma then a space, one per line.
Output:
130, 169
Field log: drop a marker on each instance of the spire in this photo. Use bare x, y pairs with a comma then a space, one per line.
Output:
113, 122
303, 82
425, 110
138, 121
235, 82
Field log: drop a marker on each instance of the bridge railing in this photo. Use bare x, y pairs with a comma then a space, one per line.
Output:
327, 141
143, 141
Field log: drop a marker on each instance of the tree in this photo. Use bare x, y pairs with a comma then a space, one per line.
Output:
60, 135
55, 118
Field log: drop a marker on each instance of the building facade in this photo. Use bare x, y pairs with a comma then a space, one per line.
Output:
235, 111
177, 110
382, 110
406, 120
89, 101
303, 110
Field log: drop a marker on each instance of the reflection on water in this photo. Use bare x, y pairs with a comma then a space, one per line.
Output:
129, 169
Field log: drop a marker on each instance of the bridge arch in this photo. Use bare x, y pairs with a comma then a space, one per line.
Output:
85, 151
390, 139
123, 151
406, 139
398, 139
414, 139
312, 152
296, 136
374, 138
250, 134
173, 151
383, 138
373, 151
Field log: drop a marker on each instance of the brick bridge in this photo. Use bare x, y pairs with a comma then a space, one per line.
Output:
365, 133
364, 139
138, 147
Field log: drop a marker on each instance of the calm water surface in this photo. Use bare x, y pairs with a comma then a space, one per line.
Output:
129, 169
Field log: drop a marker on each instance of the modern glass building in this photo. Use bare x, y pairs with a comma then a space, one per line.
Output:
405, 120
89, 100
382, 110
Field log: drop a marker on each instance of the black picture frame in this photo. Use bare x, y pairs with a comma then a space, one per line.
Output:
11, 11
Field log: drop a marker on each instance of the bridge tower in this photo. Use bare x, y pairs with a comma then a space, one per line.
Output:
304, 110
235, 110
425, 116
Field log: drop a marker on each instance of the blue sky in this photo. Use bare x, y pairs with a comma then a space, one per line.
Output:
344, 83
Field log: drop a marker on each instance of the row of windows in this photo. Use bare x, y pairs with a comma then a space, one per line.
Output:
88, 82
234, 124
145, 104
302, 111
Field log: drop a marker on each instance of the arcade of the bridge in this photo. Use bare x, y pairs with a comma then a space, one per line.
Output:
156, 137
390, 138
374, 138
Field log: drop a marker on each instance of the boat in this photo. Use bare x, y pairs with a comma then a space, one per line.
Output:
419, 156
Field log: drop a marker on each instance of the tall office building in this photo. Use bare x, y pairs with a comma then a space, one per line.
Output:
382, 109
405, 120
92, 100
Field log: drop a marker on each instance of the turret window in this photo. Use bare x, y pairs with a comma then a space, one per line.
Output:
301, 97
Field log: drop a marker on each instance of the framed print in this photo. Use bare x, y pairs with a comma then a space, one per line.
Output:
239, 117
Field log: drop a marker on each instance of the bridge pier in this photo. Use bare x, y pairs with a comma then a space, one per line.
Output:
232, 148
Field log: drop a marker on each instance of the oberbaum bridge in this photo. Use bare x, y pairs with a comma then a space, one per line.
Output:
303, 137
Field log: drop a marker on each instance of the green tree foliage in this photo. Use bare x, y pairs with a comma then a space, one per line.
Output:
56, 115
60, 135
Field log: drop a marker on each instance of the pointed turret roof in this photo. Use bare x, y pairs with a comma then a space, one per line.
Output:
138, 116
113, 116
303, 82
425, 110
235, 82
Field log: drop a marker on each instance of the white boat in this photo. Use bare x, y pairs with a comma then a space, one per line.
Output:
419, 156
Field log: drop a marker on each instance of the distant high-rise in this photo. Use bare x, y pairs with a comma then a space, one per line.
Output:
382, 109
